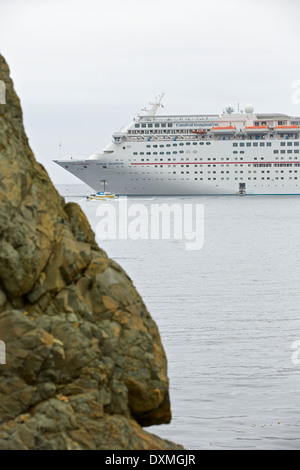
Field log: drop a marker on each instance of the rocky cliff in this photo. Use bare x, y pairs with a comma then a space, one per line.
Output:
85, 367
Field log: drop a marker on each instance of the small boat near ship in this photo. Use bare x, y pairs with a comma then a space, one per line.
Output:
100, 196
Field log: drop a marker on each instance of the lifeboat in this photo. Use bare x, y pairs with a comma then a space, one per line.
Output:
223, 130
256, 129
287, 129
198, 131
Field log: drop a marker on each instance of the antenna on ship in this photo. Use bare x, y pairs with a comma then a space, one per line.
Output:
157, 104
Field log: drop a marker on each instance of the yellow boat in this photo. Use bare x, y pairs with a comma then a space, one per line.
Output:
101, 196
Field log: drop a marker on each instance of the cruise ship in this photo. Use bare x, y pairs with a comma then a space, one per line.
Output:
233, 153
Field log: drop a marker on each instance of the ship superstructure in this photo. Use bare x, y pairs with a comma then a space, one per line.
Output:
233, 153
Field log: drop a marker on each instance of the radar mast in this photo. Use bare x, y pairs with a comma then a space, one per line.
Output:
157, 104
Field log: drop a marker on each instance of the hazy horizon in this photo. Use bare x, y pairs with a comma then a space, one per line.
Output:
83, 69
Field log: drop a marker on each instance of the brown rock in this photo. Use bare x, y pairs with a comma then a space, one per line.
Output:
85, 364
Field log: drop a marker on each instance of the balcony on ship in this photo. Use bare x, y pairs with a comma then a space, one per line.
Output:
268, 134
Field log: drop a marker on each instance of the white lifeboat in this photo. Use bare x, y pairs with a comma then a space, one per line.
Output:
286, 129
256, 130
223, 130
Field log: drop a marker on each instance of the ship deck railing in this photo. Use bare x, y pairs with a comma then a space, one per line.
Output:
208, 137
180, 118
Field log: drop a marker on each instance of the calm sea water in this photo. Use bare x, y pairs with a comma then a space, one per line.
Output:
228, 315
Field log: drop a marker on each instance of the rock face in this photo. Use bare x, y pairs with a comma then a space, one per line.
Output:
85, 367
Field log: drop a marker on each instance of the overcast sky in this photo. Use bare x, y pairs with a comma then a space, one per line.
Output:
84, 68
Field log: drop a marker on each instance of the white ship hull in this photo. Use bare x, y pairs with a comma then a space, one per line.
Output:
180, 162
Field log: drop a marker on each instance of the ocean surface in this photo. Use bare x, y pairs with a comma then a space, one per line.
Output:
228, 315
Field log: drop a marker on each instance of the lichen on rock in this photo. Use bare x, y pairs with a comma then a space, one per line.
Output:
85, 367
